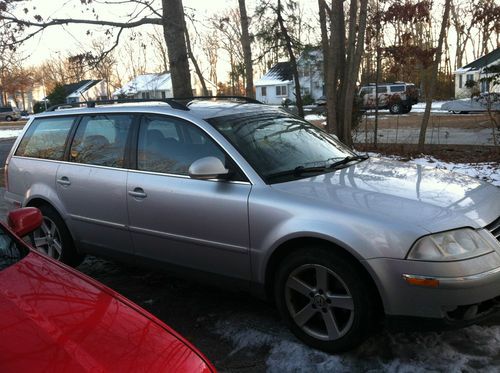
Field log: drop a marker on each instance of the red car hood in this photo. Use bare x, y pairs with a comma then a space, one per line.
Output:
53, 319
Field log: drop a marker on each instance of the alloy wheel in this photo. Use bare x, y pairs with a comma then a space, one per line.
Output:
319, 302
48, 239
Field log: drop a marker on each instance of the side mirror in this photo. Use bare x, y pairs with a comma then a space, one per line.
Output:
25, 220
207, 168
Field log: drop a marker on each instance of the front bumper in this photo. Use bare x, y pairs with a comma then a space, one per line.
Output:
466, 290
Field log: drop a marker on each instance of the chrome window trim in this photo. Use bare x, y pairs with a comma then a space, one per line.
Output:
134, 170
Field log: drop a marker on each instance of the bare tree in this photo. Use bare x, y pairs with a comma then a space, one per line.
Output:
344, 48
434, 73
247, 50
170, 15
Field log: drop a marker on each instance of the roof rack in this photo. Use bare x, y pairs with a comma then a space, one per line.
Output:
180, 103
90, 104
245, 99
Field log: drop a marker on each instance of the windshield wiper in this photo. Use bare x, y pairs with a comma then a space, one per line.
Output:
346, 160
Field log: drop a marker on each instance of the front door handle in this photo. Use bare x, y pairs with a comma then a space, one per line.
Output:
137, 193
64, 181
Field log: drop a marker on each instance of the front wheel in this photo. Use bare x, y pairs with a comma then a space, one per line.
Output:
324, 299
53, 238
8, 118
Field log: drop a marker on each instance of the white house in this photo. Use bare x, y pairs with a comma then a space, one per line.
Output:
158, 86
276, 85
86, 90
310, 68
475, 71
146, 86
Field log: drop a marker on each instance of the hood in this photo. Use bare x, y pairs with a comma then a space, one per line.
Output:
55, 320
432, 199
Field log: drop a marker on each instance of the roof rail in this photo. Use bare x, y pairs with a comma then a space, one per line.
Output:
174, 104
245, 99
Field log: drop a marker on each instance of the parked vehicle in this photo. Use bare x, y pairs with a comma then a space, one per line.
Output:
9, 113
236, 190
477, 104
397, 97
55, 319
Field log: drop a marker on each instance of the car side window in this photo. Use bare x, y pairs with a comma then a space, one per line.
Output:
397, 88
46, 138
170, 145
101, 140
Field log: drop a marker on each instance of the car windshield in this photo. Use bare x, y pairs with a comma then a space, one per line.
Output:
10, 251
282, 147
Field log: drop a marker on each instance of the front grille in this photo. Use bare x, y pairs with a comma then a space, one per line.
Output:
494, 228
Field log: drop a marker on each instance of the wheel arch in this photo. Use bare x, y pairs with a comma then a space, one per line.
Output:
39, 201
287, 248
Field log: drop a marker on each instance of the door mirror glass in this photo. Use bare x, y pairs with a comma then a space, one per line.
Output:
207, 168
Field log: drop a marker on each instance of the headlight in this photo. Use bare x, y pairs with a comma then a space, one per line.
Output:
453, 245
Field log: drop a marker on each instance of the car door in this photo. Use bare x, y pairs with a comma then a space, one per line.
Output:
200, 224
92, 186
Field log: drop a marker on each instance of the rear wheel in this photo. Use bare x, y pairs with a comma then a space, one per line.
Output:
8, 118
53, 238
396, 108
324, 299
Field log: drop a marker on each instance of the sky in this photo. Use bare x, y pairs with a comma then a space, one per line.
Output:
72, 39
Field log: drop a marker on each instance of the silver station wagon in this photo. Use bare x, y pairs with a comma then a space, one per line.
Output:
233, 189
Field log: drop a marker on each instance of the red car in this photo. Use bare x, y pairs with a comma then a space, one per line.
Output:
55, 319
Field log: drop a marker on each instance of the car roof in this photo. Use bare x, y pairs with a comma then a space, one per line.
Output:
202, 109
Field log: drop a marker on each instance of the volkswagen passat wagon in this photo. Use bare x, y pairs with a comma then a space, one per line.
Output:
247, 192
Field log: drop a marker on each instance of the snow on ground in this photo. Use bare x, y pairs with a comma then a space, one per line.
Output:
475, 348
435, 107
486, 171
5, 134
314, 117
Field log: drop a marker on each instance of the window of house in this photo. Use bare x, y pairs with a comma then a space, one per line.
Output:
263, 91
145, 95
46, 138
470, 77
281, 90
101, 140
460, 81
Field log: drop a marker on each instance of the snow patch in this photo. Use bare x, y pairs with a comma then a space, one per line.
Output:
314, 117
6, 134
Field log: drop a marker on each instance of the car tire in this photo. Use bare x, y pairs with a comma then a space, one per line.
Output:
324, 299
406, 109
53, 238
396, 108
8, 118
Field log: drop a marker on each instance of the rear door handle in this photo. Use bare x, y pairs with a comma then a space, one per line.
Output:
137, 193
64, 181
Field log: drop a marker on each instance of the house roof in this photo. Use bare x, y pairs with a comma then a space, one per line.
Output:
76, 89
488, 59
146, 83
279, 74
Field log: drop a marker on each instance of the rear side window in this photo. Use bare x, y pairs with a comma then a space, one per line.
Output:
101, 140
397, 88
46, 138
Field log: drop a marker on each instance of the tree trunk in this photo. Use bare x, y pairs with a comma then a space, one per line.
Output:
293, 61
195, 64
247, 51
174, 33
434, 74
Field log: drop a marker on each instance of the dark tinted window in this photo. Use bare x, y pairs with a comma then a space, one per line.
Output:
45, 138
170, 145
382, 89
101, 140
397, 88
10, 252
